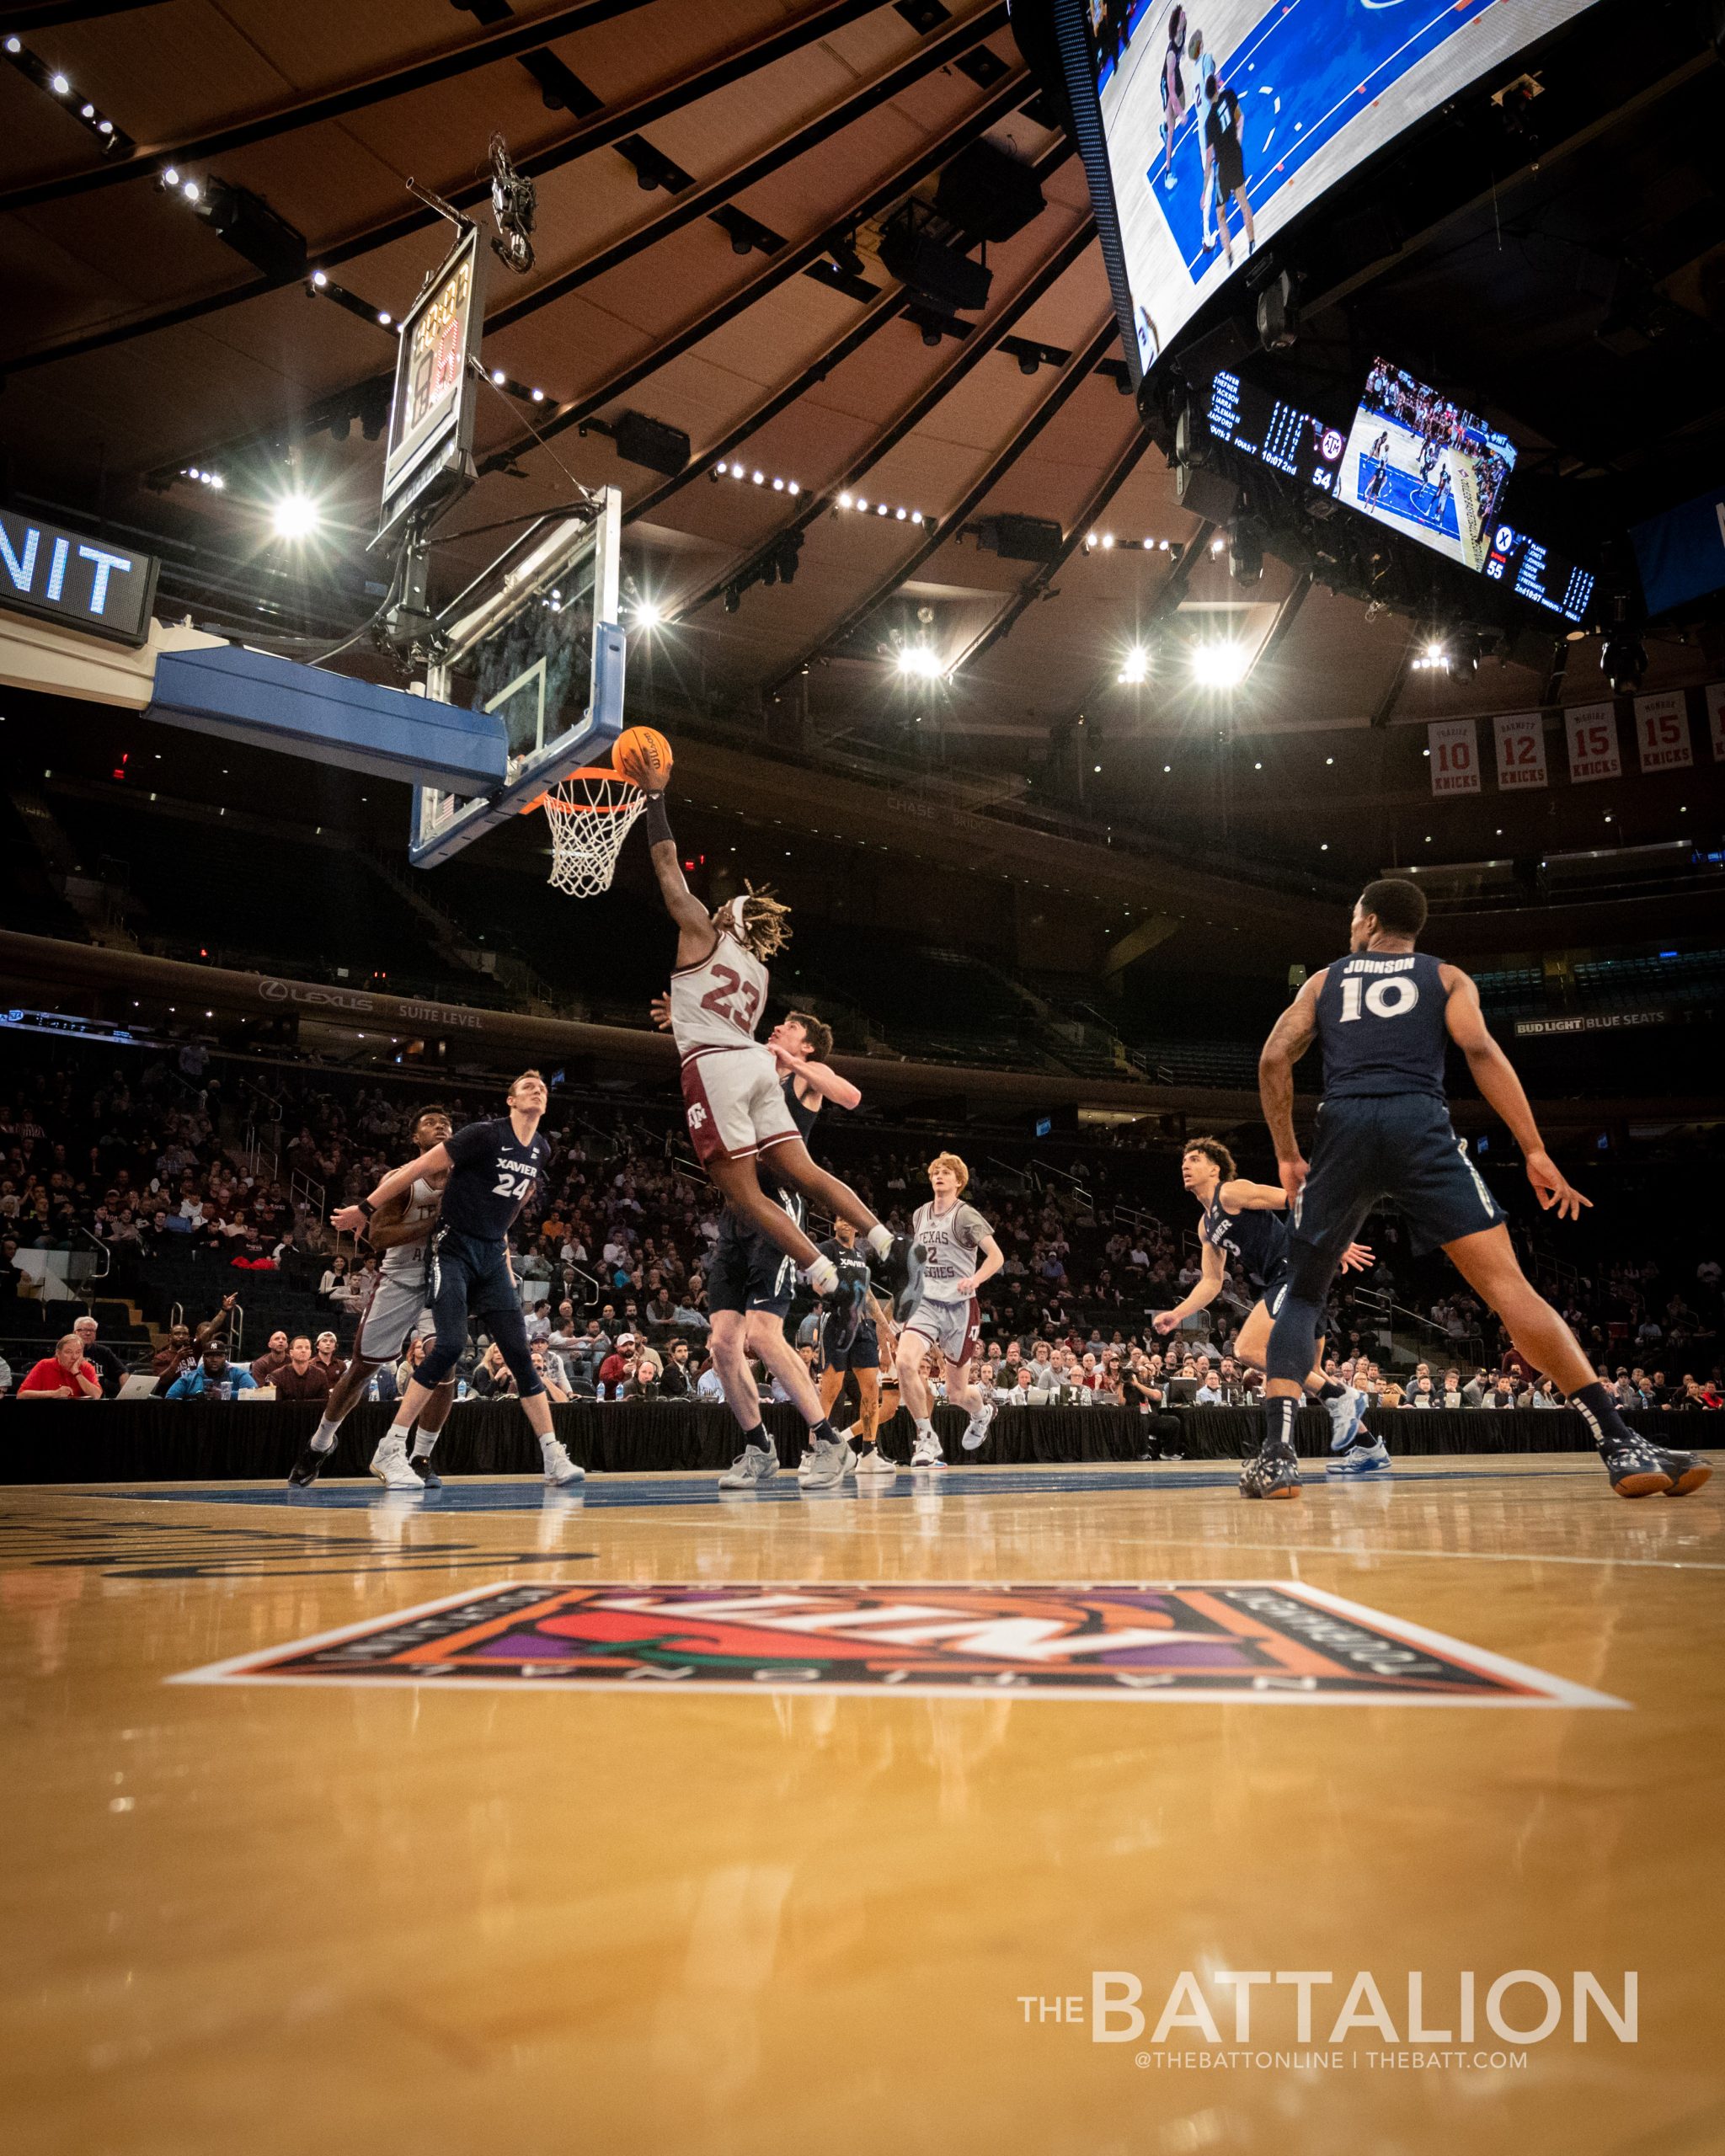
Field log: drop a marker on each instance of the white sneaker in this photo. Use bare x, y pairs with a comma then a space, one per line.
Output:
1346, 1415
560, 1470
874, 1466
827, 1470
976, 1429
927, 1452
752, 1466
391, 1466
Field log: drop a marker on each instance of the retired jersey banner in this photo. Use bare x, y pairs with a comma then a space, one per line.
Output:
1715, 718
1454, 754
1593, 743
1521, 749
1661, 732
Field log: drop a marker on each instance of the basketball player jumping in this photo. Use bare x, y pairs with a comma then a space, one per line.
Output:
751, 1283
401, 1228
490, 1170
947, 1236
1241, 1221
1383, 1014
735, 1096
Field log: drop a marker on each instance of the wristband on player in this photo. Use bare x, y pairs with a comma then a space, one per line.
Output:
366, 1206
659, 830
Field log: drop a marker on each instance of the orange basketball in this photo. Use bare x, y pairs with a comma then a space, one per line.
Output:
643, 754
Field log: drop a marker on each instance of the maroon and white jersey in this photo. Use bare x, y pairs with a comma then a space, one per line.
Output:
716, 1003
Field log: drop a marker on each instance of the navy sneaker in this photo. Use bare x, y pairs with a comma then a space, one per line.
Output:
421, 1465
1274, 1472
1688, 1470
1640, 1469
305, 1469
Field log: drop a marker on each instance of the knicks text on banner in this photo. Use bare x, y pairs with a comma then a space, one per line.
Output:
1593, 743
1454, 754
1661, 732
1521, 749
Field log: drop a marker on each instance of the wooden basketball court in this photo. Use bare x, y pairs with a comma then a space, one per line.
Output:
501, 1878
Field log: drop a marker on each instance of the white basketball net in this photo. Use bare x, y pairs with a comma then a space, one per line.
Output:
590, 814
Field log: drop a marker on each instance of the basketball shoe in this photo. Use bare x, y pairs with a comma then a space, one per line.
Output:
927, 1453
831, 1463
1274, 1472
560, 1470
305, 1469
753, 1465
1640, 1470
420, 1462
875, 1467
389, 1463
976, 1429
1372, 1457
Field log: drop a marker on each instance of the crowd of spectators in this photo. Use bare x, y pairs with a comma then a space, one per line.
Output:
173, 1162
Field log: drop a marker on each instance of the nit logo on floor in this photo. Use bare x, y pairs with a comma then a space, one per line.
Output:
1258, 1641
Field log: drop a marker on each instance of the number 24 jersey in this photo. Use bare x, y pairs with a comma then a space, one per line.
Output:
492, 1175
716, 1003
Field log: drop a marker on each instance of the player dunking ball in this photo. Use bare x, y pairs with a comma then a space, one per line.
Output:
732, 1084
1241, 1221
947, 1238
1382, 1015
400, 1307
751, 1283
490, 1170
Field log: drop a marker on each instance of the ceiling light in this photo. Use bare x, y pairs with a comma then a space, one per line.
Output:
58, 85
191, 191
295, 516
792, 488
778, 486
1220, 665
87, 112
497, 377
1108, 541
915, 516
917, 659
647, 614
320, 277
16, 45
170, 176
1135, 666
539, 398
104, 127
844, 501
384, 317
761, 478
721, 468
861, 505
1218, 544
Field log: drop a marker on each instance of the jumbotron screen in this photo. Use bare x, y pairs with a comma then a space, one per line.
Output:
1222, 121
1418, 462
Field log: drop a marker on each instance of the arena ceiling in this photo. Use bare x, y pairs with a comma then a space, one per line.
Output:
713, 184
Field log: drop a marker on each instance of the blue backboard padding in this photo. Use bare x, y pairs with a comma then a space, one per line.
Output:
302, 710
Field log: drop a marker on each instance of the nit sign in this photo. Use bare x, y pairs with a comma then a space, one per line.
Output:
82, 583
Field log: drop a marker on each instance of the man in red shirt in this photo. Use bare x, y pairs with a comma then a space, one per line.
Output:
63, 1376
616, 1368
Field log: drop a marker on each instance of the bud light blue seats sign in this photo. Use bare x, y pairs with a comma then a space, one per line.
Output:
82, 583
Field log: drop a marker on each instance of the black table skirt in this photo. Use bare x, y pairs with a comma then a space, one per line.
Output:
185, 1441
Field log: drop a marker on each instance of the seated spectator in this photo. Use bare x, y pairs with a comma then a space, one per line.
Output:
302, 1377
63, 1376
333, 1363
492, 1378
551, 1372
676, 1380
642, 1382
179, 1353
214, 1378
332, 1287
536, 1319
103, 1360
1545, 1394
709, 1388
1502, 1392
1209, 1394
1707, 1395
614, 1371
274, 1358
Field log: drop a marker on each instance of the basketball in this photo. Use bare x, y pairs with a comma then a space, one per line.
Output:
643, 754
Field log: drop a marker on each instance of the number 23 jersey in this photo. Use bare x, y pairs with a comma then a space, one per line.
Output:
715, 1004
492, 1177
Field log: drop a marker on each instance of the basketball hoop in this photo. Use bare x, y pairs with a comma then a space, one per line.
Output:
590, 813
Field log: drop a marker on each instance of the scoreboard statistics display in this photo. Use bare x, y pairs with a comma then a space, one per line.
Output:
1540, 574
431, 418
1298, 444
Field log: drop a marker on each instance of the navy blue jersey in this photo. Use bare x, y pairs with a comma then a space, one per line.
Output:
803, 1114
1257, 1241
1380, 1026
494, 1176
847, 1305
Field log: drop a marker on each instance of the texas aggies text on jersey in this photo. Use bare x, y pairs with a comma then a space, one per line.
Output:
718, 1002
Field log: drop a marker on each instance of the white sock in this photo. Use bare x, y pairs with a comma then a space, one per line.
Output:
397, 1433
925, 1427
879, 1240
547, 1441
324, 1436
423, 1442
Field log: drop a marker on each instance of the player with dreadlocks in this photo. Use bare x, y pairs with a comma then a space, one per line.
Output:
736, 1095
